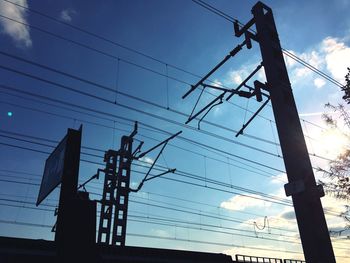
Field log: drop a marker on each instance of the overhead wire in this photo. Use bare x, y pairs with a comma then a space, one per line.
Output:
185, 210
111, 41
172, 225
189, 210
9, 173
123, 93
174, 222
252, 194
255, 194
132, 97
180, 210
160, 118
6, 1
256, 171
87, 94
154, 236
285, 51
111, 56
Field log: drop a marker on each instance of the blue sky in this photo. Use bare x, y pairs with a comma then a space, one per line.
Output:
185, 35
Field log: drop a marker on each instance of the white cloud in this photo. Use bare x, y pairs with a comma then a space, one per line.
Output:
160, 233
319, 83
67, 14
331, 55
147, 160
236, 76
314, 58
217, 83
18, 32
134, 184
267, 251
279, 179
239, 202
308, 114
337, 57
288, 60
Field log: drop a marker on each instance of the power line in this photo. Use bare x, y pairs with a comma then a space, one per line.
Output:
138, 99
161, 220
87, 94
218, 244
83, 45
260, 195
134, 109
156, 237
124, 118
202, 227
130, 96
286, 52
257, 170
199, 212
163, 132
113, 42
147, 193
171, 219
100, 37
215, 11
123, 93
157, 117
164, 178
180, 209
98, 156
312, 68
199, 2
244, 168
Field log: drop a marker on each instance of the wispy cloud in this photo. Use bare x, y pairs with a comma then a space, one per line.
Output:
236, 76
160, 233
67, 14
243, 202
18, 32
331, 55
319, 83
148, 160
279, 179
265, 251
337, 57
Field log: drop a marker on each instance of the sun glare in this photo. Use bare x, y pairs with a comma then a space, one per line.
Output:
330, 143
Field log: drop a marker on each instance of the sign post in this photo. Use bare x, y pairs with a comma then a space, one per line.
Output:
76, 219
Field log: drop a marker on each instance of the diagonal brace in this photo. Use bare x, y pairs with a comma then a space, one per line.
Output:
159, 144
161, 174
164, 143
250, 120
234, 91
220, 97
231, 54
217, 104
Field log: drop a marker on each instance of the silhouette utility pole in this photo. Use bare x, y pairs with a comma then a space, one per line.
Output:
115, 197
301, 184
116, 193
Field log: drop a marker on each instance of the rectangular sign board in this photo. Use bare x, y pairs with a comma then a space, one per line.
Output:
53, 171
